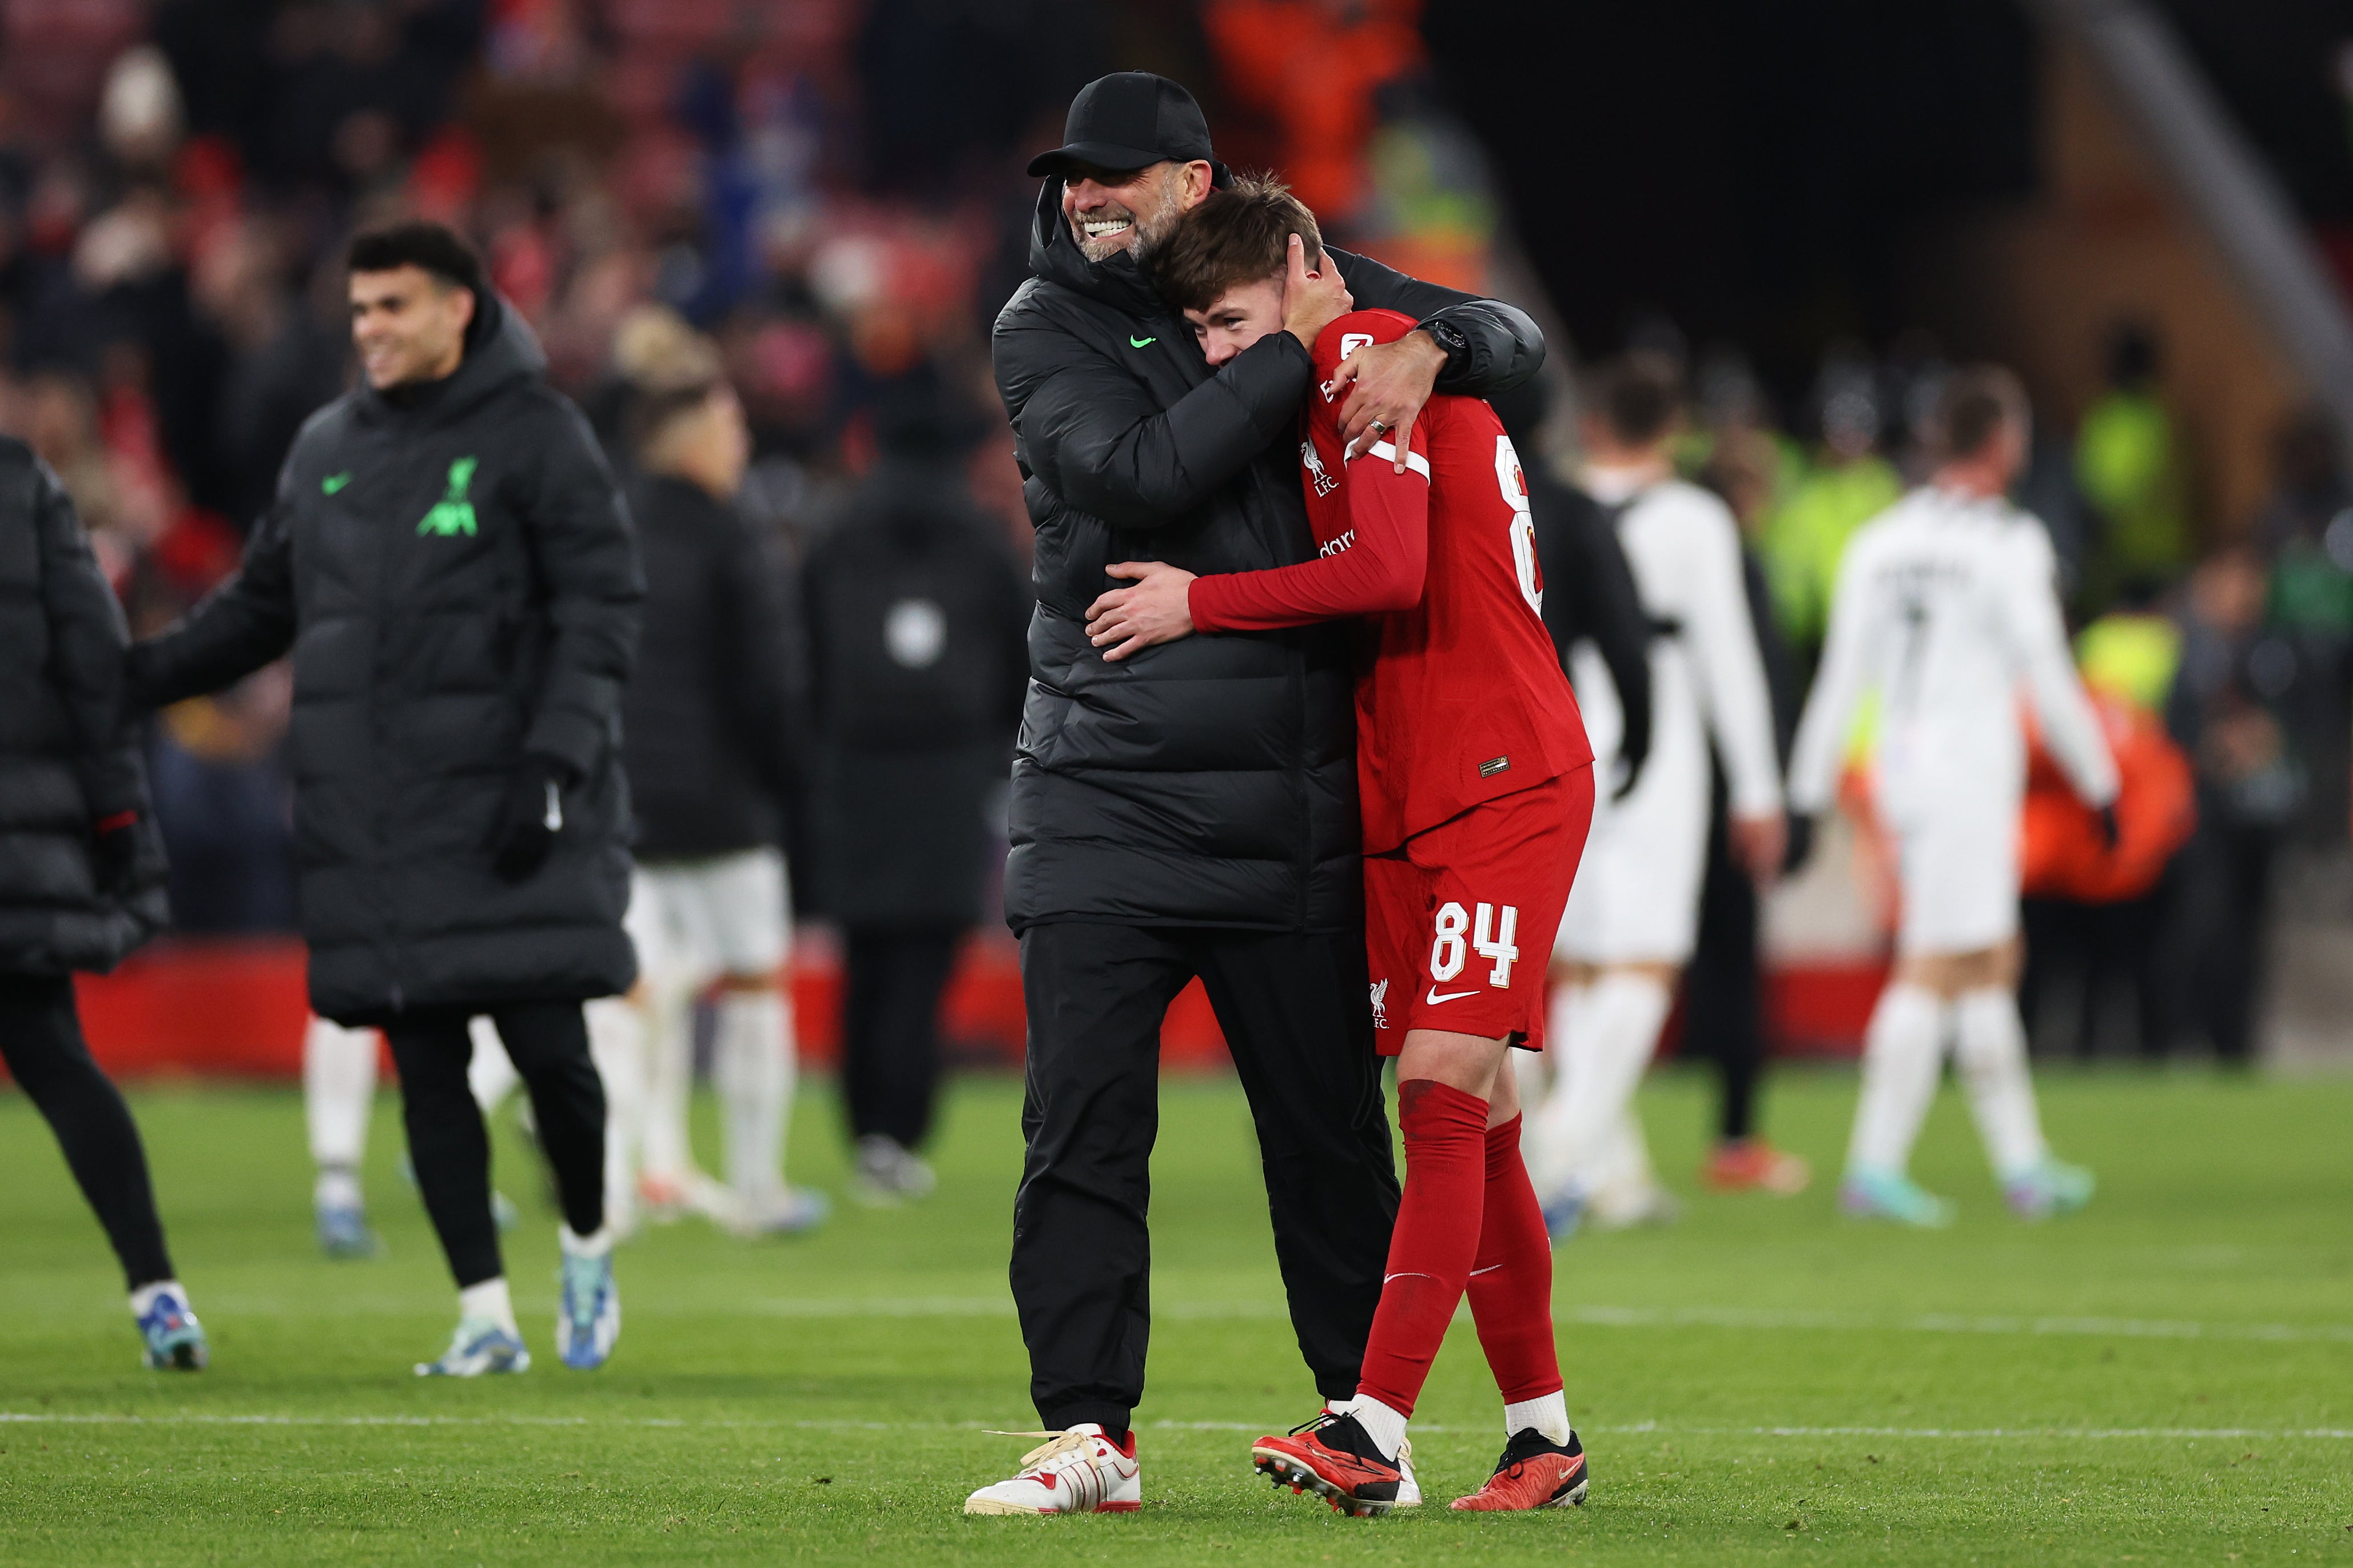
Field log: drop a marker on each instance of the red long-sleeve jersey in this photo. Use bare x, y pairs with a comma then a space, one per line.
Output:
1460, 694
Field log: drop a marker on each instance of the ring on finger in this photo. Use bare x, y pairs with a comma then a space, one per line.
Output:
1377, 428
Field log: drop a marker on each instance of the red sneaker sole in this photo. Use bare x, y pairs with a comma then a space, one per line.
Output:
1285, 1470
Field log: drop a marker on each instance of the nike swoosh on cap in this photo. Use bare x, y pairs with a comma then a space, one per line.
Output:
1432, 998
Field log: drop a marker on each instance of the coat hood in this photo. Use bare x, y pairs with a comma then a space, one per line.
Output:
500, 348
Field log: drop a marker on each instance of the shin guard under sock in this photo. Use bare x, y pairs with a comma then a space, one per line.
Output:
1511, 1281
1436, 1241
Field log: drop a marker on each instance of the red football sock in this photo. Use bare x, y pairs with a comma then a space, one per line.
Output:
1511, 1285
1436, 1239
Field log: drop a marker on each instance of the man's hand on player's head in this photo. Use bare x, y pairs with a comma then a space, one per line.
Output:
1761, 844
1387, 386
1311, 301
1158, 609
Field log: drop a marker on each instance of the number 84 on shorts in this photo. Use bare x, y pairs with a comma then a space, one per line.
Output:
1450, 912
1492, 933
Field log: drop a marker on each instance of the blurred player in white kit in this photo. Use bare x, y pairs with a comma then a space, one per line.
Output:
1947, 606
1633, 917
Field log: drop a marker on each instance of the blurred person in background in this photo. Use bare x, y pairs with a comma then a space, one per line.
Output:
1589, 601
713, 735
1846, 484
1947, 607
453, 570
2250, 788
2092, 911
2306, 531
81, 875
1722, 990
2129, 465
919, 620
1632, 919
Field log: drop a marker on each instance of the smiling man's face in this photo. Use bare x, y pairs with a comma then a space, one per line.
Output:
1110, 210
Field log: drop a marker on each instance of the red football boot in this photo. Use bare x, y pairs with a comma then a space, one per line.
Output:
1753, 1165
1333, 1457
1535, 1472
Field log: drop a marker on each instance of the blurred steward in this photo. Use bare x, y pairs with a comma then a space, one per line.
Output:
918, 620
1846, 485
2129, 464
711, 728
2250, 787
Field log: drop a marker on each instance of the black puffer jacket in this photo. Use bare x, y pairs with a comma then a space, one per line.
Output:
915, 609
457, 578
1210, 780
713, 709
67, 760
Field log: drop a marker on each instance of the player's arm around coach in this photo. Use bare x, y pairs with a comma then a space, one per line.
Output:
1191, 812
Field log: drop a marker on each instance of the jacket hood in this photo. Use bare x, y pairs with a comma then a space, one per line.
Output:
500, 348
1055, 258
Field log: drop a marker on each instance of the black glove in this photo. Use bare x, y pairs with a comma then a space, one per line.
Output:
1630, 773
2109, 833
114, 854
530, 817
1800, 844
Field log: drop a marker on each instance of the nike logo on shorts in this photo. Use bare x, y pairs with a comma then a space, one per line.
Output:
1432, 999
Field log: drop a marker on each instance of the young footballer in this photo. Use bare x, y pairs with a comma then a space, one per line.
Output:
1947, 607
1476, 789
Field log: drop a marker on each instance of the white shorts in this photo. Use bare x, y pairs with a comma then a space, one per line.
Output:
1636, 899
694, 920
1959, 875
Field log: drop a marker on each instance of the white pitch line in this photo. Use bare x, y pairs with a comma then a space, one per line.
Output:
1590, 1316
1640, 1318
1639, 1430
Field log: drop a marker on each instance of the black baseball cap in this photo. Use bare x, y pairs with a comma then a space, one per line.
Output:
1128, 120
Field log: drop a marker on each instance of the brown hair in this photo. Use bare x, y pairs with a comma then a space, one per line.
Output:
1972, 407
1637, 396
1238, 235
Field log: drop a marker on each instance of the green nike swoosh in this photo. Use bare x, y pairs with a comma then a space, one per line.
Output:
1139, 343
335, 482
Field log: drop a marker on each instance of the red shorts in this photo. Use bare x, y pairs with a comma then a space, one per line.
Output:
1460, 919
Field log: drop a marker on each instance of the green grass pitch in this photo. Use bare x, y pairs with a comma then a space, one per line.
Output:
2167, 1377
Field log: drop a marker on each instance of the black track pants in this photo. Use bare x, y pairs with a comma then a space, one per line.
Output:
41, 1037
450, 1147
891, 1028
1724, 1001
1297, 1016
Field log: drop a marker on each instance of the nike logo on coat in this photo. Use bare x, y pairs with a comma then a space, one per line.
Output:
335, 482
1135, 343
1432, 999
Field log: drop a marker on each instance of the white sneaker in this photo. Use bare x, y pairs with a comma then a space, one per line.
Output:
1077, 1471
887, 1172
